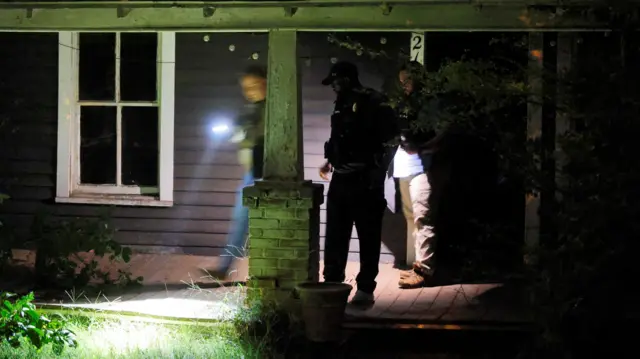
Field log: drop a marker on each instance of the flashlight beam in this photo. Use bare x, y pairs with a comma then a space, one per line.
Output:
117, 314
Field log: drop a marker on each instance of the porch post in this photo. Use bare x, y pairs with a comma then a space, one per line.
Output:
284, 210
565, 49
534, 132
417, 52
283, 140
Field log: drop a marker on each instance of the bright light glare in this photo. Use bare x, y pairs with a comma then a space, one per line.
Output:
128, 338
134, 337
174, 307
220, 129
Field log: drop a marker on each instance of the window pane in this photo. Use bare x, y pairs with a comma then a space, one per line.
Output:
98, 145
138, 57
97, 67
140, 146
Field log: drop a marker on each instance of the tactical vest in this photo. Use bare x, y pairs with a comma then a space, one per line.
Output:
354, 143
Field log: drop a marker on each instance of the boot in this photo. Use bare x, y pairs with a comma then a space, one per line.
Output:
407, 273
417, 278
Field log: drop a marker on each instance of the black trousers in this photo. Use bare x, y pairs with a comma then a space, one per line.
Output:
352, 199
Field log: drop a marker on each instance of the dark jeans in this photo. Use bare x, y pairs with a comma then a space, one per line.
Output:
352, 200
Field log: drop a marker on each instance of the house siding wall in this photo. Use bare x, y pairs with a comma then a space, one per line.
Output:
206, 173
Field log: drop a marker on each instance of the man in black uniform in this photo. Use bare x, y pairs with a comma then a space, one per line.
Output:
361, 124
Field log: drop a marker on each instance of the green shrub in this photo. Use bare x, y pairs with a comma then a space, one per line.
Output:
21, 323
60, 242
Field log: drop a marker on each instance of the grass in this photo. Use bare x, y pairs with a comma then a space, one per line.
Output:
131, 338
246, 333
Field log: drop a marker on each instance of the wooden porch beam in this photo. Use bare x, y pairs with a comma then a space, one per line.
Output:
312, 15
281, 3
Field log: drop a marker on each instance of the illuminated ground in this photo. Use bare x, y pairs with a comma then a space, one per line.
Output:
190, 302
175, 287
446, 305
120, 338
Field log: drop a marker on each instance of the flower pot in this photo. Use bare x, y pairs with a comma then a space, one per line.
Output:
323, 306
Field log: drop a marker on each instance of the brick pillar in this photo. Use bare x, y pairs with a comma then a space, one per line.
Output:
284, 219
284, 234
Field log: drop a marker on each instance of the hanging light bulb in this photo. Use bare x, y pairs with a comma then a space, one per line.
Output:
206, 38
383, 40
232, 47
255, 56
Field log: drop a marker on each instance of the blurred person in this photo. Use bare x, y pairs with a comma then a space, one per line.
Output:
249, 136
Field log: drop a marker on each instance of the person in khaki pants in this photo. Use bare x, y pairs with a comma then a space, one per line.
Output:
415, 212
411, 168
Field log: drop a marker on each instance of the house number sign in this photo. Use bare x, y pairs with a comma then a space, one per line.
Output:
417, 47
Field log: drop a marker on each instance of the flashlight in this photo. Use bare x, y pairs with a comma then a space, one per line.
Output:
220, 129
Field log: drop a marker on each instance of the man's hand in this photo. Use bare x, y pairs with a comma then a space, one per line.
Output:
238, 136
325, 170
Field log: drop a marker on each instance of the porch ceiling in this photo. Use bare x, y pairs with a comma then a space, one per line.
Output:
310, 15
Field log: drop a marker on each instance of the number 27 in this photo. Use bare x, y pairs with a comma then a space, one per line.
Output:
417, 46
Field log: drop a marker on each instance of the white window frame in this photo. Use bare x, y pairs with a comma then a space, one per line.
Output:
68, 187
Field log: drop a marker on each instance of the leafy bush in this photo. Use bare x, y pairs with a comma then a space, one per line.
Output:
264, 325
20, 322
60, 242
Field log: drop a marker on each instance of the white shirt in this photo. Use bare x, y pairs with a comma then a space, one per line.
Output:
245, 158
405, 165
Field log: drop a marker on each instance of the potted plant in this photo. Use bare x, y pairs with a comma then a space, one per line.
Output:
323, 306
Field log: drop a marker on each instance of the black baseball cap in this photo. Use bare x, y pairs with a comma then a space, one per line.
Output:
342, 69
